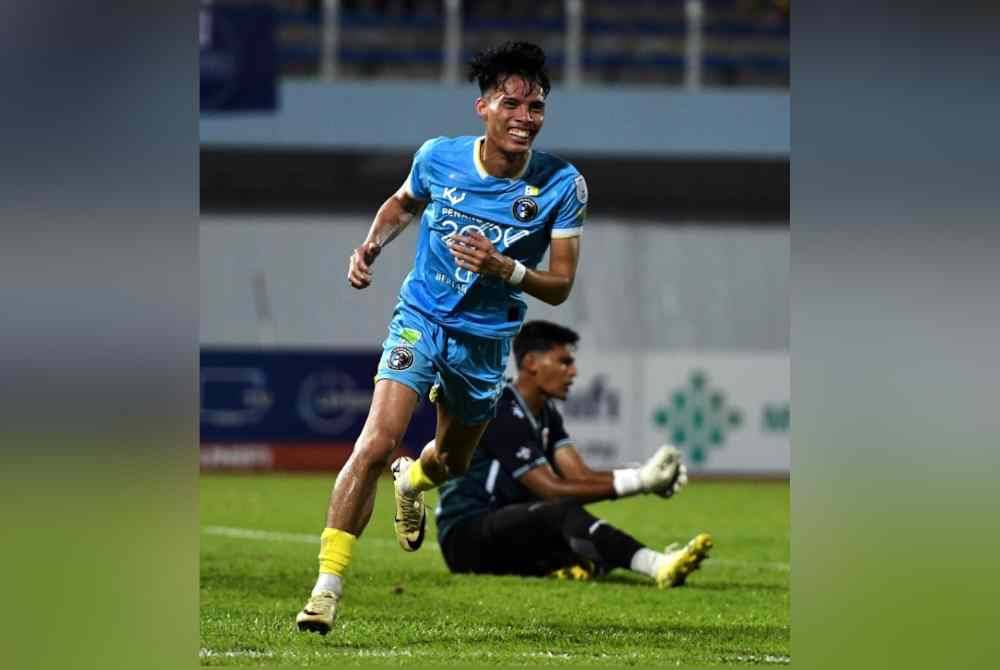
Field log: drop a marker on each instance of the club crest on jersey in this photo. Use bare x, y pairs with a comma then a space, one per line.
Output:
525, 209
400, 358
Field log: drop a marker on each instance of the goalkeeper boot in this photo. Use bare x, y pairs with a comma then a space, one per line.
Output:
319, 613
576, 573
411, 515
682, 561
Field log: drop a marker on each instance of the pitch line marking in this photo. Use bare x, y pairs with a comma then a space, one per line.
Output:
767, 658
390, 653
306, 538
303, 538
206, 653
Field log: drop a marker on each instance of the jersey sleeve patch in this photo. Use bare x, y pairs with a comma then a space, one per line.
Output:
572, 208
581, 189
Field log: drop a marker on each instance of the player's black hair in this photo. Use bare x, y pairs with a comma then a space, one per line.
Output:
490, 68
541, 336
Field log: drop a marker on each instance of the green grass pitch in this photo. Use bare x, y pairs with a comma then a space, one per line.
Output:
260, 538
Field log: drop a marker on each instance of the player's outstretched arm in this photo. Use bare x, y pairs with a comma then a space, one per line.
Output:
662, 473
392, 218
474, 252
546, 484
572, 466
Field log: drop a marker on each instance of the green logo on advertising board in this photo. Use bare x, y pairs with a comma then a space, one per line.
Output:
776, 418
697, 417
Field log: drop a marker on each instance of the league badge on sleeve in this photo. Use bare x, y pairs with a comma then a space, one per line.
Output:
581, 189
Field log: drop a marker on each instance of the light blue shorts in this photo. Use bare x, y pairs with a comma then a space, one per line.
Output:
419, 353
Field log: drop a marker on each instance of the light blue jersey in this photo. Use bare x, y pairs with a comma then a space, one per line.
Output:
519, 215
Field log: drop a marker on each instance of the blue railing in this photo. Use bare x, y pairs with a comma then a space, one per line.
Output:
363, 20
293, 54
306, 52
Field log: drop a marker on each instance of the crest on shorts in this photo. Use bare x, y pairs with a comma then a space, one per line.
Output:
525, 209
400, 358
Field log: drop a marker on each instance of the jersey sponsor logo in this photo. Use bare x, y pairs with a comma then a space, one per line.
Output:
524, 209
400, 358
461, 281
581, 189
449, 193
456, 222
524, 453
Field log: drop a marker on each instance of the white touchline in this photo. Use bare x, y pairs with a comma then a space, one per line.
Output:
274, 536
306, 538
760, 659
205, 653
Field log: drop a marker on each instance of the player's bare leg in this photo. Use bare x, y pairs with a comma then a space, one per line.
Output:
451, 452
447, 456
353, 497
392, 407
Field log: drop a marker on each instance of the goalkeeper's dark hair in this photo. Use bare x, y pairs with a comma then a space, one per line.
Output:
541, 336
490, 68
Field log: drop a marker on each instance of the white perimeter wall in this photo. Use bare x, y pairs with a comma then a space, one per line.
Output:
654, 305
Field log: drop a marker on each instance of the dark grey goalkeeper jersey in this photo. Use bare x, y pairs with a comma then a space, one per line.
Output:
514, 443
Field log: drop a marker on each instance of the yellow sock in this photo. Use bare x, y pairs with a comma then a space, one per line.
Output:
335, 551
419, 481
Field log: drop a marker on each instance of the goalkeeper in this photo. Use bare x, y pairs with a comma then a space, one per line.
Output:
519, 508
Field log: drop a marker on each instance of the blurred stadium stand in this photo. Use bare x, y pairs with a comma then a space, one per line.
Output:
715, 153
746, 42
649, 141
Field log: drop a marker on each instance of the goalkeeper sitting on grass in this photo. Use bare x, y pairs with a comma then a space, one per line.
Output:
519, 508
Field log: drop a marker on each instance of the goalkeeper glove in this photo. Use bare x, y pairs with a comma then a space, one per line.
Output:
656, 474
675, 487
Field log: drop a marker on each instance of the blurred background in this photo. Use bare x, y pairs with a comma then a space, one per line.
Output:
677, 113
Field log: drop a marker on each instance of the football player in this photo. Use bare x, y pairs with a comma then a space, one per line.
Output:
489, 208
519, 508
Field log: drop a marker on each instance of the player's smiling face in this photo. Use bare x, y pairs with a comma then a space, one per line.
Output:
513, 113
556, 371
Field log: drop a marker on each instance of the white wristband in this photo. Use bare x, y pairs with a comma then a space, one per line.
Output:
517, 276
627, 482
